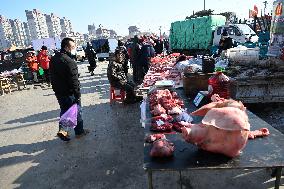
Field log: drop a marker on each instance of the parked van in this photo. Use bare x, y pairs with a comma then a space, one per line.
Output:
104, 47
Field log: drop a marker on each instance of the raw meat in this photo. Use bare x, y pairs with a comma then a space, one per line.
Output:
162, 148
163, 117
161, 126
221, 104
223, 130
152, 138
227, 118
258, 133
158, 110
206, 137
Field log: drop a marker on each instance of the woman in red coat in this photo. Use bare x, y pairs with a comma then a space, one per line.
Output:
32, 63
43, 60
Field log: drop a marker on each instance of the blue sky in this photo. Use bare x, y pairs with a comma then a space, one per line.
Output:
118, 15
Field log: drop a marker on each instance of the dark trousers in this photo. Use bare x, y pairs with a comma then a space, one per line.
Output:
46, 75
65, 102
128, 87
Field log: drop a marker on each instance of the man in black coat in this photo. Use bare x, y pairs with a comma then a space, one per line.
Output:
91, 56
66, 85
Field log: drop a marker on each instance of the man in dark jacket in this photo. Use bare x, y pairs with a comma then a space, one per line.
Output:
225, 42
146, 53
117, 77
91, 56
134, 58
66, 85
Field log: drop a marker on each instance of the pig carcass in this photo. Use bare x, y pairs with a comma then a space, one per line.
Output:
224, 129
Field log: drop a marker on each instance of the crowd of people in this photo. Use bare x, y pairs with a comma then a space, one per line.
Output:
139, 53
35, 62
61, 71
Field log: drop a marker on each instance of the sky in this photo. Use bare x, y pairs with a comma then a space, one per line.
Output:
148, 15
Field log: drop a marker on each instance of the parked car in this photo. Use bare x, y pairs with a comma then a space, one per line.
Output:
12, 59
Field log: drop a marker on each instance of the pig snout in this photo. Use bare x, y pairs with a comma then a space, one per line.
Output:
196, 134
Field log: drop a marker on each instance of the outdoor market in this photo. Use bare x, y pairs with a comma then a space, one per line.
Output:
206, 99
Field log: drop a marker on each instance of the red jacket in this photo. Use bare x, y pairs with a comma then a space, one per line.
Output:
43, 59
32, 62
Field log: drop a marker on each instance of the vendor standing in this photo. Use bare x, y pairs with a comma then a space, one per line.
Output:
91, 56
226, 42
32, 63
43, 60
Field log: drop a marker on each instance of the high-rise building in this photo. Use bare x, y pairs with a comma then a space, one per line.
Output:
6, 34
66, 26
37, 24
28, 40
19, 33
53, 25
92, 29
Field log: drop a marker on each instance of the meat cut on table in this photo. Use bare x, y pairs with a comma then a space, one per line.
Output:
162, 148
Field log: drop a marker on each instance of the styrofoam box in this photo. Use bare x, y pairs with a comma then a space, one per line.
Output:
243, 55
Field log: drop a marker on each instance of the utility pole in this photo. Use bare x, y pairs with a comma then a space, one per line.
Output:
160, 28
204, 4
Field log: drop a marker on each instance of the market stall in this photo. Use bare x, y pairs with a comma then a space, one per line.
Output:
190, 157
166, 115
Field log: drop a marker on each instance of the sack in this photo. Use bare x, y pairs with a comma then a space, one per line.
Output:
69, 118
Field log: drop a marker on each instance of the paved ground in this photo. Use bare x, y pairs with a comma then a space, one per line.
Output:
110, 157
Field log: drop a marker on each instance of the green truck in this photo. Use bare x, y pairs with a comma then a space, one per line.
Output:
202, 34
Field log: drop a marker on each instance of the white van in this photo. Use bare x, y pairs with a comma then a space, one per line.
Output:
240, 33
104, 47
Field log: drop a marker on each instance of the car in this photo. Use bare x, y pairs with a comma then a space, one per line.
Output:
80, 54
10, 60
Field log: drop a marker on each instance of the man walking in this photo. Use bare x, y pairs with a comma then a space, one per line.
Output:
91, 55
66, 85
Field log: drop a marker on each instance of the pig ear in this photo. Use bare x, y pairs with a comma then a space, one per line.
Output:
227, 118
204, 109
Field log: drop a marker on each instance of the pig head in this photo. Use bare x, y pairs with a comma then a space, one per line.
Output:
223, 130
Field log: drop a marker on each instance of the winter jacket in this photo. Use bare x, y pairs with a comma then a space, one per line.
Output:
146, 53
64, 75
116, 75
124, 51
43, 60
32, 63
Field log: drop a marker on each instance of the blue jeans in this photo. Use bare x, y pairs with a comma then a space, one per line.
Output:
65, 102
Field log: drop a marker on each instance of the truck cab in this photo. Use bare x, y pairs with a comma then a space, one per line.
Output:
240, 33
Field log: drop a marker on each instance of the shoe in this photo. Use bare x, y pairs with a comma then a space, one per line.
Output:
92, 74
84, 133
63, 135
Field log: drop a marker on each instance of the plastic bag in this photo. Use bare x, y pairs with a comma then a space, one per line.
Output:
40, 71
184, 116
69, 118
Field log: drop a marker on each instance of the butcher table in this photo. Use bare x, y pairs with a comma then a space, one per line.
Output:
267, 152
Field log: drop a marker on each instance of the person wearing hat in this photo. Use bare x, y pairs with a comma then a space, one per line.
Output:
226, 42
32, 63
43, 60
118, 79
120, 46
91, 56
